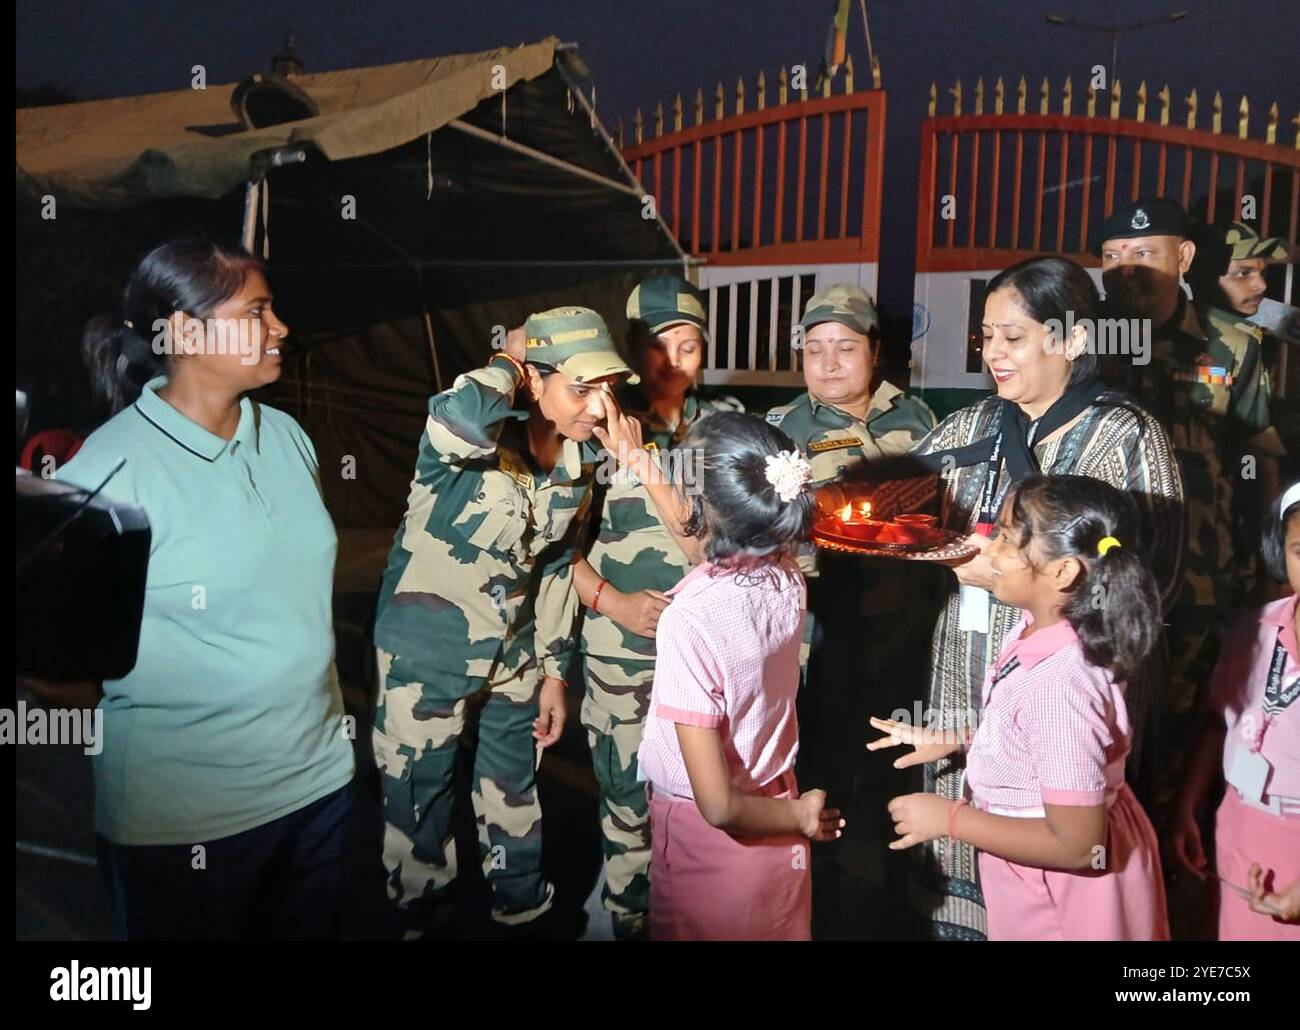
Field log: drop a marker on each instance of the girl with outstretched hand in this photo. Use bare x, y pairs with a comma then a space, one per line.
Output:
1065, 850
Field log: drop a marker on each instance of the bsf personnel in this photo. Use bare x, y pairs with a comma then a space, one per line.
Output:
477, 608
1204, 379
631, 561
867, 635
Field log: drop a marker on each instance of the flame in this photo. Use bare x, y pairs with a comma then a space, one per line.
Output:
846, 513
865, 509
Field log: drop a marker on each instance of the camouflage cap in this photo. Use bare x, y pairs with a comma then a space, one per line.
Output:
1244, 242
575, 341
663, 301
845, 303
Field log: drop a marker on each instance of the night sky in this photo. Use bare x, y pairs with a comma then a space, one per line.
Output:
641, 53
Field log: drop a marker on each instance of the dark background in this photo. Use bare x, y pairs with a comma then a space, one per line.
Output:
641, 53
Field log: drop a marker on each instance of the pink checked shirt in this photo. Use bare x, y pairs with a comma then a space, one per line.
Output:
1237, 691
1054, 729
727, 656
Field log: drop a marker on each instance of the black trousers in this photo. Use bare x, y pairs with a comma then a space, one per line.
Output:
279, 881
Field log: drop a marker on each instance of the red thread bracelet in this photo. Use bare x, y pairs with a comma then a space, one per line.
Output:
595, 598
952, 817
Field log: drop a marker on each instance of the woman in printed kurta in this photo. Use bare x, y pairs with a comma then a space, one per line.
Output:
1049, 415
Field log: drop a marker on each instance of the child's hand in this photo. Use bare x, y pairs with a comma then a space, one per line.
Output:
637, 612
918, 818
1284, 907
1183, 843
549, 723
621, 435
927, 745
817, 822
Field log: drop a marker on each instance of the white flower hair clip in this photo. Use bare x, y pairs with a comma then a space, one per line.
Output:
789, 473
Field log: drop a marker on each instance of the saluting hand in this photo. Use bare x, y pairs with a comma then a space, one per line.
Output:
517, 343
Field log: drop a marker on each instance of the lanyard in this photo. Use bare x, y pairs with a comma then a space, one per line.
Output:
1002, 674
1276, 698
990, 499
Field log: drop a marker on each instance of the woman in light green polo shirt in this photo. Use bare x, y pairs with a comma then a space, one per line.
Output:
224, 783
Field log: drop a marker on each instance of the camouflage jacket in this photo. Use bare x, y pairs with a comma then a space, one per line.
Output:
479, 580
833, 439
1206, 383
631, 548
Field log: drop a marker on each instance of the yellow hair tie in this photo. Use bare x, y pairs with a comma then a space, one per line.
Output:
1105, 544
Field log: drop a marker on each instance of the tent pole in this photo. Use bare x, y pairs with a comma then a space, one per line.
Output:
249, 236
612, 147
537, 155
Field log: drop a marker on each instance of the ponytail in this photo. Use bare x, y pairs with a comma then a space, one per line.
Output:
1114, 606
120, 361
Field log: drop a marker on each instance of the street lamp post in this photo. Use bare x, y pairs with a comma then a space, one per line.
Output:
1115, 30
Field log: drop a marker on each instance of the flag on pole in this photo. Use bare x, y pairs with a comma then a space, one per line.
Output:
837, 39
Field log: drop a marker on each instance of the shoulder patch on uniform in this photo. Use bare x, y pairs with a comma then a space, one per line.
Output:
775, 417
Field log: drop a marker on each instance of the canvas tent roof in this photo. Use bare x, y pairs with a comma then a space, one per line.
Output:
454, 234
128, 150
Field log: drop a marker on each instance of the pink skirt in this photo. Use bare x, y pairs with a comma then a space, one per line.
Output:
1122, 901
706, 885
1243, 835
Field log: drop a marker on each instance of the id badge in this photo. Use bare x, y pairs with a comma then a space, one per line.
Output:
1248, 772
973, 609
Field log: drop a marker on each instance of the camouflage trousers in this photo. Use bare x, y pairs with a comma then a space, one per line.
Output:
614, 708
417, 731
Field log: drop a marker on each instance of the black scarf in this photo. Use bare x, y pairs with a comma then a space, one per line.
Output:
1013, 443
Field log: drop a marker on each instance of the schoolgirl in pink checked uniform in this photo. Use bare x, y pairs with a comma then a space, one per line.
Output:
1252, 737
1065, 850
729, 826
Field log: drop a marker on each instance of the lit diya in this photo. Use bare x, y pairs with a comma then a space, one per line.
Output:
854, 523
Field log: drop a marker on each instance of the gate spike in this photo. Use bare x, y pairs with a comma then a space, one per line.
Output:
1067, 97
1243, 121
740, 94
637, 124
1216, 122
934, 95
1142, 101
956, 98
677, 113
998, 92
1044, 91
782, 84
718, 101
761, 93
1164, 104
699, 106
979, 95
1022, 91
1114, 99
1092, 100
1270, 131
1191, 109
848, 74
659, 119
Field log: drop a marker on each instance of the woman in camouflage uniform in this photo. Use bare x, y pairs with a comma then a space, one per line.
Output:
633, 558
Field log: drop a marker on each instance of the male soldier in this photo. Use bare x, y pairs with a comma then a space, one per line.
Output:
1203, 378
1228, 273
867, 627
632, 560
477, 606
